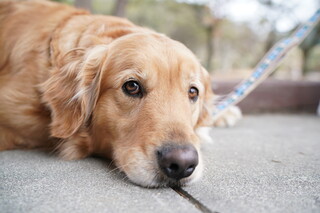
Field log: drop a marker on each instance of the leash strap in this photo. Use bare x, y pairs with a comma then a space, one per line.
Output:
266, 66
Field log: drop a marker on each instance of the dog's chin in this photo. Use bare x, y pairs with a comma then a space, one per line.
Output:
151, 177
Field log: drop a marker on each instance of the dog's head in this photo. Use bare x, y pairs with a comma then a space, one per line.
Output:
140, 99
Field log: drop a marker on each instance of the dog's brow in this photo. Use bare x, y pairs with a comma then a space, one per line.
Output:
129, 73
196, 81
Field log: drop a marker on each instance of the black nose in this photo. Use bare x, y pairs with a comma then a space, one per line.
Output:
177, 161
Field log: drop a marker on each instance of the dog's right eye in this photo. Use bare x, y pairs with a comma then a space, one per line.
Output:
132, 88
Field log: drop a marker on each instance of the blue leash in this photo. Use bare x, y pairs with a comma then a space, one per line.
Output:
267, 65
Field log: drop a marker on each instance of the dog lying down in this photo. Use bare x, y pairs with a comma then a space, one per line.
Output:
87, 84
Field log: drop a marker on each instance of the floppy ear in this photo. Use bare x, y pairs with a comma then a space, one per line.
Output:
205, 118
72, 89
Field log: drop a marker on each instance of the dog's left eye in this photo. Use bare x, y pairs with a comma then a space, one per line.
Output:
132, 88
193, 94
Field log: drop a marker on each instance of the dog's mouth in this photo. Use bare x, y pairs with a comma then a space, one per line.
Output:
160, 180
171, 166
156, 178
163, 181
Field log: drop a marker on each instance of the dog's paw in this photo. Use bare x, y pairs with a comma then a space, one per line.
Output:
204, 134
228, 118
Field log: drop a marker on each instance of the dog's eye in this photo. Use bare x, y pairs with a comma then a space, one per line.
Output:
132, 88
193, 94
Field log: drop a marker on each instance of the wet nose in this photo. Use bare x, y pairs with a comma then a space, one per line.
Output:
177, 161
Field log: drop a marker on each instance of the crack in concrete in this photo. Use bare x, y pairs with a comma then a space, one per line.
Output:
192, 200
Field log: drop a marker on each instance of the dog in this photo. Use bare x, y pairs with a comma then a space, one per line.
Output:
85, 84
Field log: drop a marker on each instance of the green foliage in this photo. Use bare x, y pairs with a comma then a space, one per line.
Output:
238, 44
103, 6
180, 21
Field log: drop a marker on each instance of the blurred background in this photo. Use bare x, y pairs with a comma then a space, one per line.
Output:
230, 37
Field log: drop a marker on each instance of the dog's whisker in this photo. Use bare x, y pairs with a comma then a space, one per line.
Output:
111, 163
119, 168
125, 178
114, 170
155, 179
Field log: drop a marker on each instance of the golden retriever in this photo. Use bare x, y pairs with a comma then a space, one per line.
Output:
99, 85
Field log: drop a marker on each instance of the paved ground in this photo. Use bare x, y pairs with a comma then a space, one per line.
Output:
268, 163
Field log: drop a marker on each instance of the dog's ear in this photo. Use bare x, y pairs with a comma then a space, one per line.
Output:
205, 118
72, 89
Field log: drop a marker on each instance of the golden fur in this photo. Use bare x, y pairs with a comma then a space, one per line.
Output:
61, 73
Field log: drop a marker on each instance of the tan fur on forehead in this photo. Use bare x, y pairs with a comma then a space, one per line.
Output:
152, 58
139, 48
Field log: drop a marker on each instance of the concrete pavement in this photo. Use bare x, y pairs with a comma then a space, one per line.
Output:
267, 163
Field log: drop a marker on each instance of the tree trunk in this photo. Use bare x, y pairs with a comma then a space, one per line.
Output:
305, 56
120, 8
209, 47
212, 35
271, 40
84, 4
